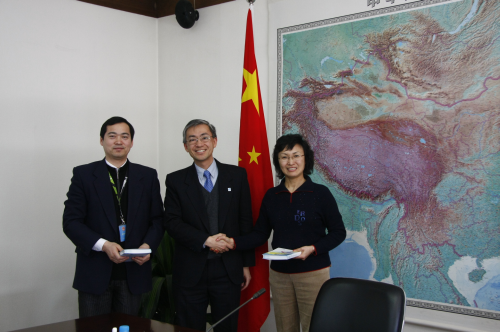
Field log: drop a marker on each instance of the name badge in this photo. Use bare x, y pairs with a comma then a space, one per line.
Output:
122, 230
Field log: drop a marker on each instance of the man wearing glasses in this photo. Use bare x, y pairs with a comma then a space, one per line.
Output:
201, 201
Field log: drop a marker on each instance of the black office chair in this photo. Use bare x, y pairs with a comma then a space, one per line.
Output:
357, 305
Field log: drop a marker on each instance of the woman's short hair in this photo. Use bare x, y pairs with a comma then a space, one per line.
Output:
286, 143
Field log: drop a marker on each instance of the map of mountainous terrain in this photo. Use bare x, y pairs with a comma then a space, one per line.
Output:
403, 114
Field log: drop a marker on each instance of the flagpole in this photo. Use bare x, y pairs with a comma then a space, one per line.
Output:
251, 2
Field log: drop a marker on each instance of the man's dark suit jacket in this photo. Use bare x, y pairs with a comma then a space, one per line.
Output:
89, 215
187, 221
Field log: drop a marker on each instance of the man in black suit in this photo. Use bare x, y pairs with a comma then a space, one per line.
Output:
103, 196
203, 200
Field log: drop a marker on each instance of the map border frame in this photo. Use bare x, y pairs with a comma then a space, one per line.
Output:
439, 306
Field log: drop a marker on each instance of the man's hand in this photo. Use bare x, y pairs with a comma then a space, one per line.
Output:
247, 277
229, 241
142, 259
112, 249
216, 246
306, 251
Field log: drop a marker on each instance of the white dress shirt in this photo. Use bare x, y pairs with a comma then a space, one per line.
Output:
214, 173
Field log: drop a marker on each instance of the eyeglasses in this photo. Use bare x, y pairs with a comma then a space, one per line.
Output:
285, 159
202, 139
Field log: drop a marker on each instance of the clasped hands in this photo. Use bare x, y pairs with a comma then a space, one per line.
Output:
219, 243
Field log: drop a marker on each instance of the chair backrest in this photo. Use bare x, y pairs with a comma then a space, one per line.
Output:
357, 305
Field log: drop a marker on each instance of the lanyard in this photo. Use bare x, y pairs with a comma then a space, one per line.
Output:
118, 196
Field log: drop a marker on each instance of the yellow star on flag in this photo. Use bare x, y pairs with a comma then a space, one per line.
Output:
252, 89
253, 156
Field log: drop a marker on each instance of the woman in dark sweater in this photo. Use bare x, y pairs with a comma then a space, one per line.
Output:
299, 211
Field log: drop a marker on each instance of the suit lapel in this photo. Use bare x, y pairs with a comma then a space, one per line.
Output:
193, 191
225, 195
134, 194
102, 187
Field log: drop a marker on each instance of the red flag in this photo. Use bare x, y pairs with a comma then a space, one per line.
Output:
254, 157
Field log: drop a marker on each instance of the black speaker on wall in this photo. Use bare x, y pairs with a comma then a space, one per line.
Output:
185, 14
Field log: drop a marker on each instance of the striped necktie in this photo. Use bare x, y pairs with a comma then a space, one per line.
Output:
208, 183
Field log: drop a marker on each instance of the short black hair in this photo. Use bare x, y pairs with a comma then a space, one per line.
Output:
114, 120
286, 143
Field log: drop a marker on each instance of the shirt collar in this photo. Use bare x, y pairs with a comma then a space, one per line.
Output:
305, 187
214, 171
110, 165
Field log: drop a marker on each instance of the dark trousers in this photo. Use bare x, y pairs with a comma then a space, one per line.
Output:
116, 298
214, 288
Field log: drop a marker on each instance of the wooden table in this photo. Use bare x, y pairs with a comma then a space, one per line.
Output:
104, 323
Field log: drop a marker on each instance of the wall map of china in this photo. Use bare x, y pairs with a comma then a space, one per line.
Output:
403, 113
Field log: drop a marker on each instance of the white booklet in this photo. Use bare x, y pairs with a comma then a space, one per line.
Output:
280, 254
135, 252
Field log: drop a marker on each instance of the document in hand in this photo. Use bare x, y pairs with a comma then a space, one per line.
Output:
280, 254
135, 252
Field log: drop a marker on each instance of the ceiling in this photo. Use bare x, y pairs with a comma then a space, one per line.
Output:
152, 8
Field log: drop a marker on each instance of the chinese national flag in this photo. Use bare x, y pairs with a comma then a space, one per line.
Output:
254, 157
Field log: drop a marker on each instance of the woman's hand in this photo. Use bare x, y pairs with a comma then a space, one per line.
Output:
229, 240
306, 251
224, 241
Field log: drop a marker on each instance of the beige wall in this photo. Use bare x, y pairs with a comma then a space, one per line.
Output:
65, 67
200, 76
